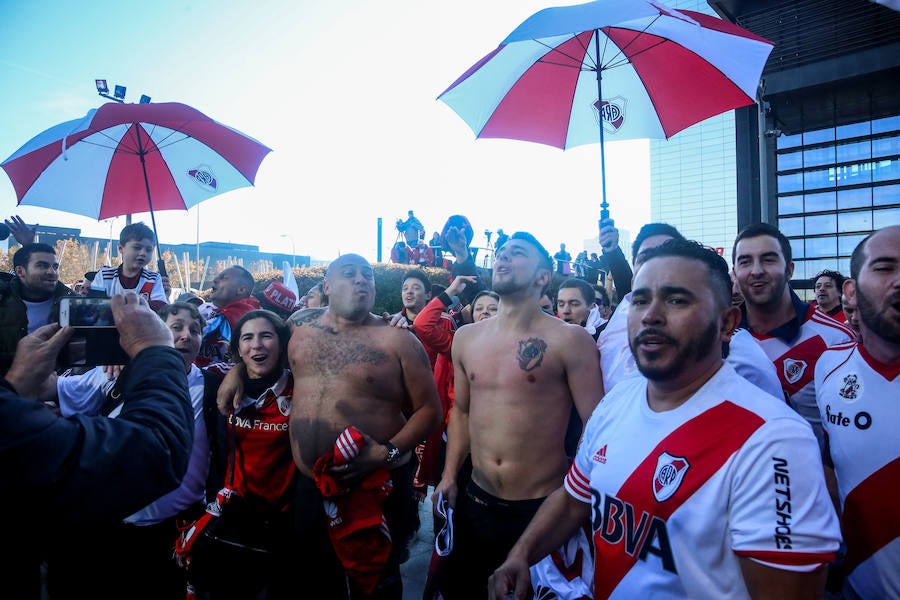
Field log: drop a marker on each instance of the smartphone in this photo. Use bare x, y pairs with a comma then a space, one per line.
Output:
96, 339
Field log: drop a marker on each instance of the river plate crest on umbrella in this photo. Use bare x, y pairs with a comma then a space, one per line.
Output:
649, 70
122, 159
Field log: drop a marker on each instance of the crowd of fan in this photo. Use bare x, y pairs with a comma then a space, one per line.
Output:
536, 429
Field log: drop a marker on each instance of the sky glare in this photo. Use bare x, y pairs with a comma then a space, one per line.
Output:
345, 95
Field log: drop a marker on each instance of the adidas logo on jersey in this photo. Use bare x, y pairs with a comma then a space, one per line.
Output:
600, 455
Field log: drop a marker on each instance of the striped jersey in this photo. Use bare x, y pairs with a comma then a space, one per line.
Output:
677, 496
859, 402
148, 284
795, 354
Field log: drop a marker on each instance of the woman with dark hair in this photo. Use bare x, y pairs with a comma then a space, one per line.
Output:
249, 554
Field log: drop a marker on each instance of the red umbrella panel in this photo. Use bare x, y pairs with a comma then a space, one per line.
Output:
123, 159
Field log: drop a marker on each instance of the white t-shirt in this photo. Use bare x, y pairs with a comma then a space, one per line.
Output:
677, 496
86, 394
38, 313
859, 402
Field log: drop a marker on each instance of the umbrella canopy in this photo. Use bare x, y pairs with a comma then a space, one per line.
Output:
122, 159
662, 71
626, 69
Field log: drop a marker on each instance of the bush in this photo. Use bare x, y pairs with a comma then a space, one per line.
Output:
388, 281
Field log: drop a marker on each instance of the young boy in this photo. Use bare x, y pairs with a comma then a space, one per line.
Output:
136, 244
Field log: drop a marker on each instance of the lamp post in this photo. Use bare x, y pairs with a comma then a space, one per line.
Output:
293, 250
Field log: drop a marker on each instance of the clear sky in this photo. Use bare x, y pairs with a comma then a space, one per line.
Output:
345, 95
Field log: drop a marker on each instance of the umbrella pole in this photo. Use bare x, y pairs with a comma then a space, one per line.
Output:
160, 264
604, 207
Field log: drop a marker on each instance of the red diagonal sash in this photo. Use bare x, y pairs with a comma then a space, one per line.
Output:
871, 516
706, 441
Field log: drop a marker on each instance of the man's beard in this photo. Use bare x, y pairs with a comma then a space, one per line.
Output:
875, 320
506, 286
691, 351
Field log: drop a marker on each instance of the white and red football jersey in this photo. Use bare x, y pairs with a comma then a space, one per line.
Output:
677, 496
795, 362
859, 401
149, 284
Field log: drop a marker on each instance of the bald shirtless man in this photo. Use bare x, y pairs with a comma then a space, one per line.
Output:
517, 377
352, 369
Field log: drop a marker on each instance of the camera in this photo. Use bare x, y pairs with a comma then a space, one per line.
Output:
96, 339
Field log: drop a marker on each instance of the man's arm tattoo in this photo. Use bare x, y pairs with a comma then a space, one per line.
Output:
531, 353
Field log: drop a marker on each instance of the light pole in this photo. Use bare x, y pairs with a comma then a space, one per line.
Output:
293, 250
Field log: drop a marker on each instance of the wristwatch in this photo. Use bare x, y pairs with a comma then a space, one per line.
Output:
393, 453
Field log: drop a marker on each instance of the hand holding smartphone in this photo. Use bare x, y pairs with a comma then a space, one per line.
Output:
96, 339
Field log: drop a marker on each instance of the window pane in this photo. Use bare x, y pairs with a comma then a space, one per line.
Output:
853, 130
844, 266
821, 224
793, 160
820, 247
797, 250
887, 217
788, 141
854, 151
790, 183
889, 146
853, 174
855, 221
847, 243
818, 178
791, 227
816, 157
816, 137
790, 204
886, 194
858, 198
886, 124
819, 202
815, 266
799, 270
886, 170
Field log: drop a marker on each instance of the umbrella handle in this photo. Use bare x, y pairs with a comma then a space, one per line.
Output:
161, 266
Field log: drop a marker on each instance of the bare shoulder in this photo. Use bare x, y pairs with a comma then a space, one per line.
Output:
473, 331
566, 335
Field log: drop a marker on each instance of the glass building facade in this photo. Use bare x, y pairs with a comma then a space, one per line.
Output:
823, 164
833, 187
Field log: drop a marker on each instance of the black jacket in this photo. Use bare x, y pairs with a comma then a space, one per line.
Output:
14, 316
82, 468
62, 473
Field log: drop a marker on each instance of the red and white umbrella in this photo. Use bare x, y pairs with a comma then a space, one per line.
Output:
624, 69
122, 159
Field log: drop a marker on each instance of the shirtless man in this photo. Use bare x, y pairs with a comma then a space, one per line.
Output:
351, 369
516, 378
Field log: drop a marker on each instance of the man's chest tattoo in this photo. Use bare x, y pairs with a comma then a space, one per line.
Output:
334, 355
311, 319
531, 353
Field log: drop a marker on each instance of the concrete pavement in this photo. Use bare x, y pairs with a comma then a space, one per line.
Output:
415, 570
